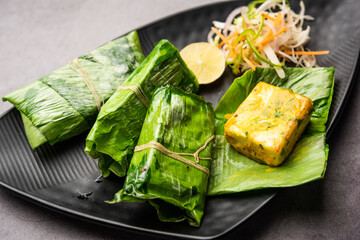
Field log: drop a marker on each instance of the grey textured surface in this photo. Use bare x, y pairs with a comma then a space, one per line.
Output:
40, 36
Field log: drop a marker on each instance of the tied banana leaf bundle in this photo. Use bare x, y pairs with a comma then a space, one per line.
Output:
66, 102
117, 128
164, 169
233, 172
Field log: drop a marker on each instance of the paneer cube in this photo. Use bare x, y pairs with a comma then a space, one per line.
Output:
267, 124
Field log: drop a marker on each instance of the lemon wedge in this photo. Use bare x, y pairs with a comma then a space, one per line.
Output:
205, 60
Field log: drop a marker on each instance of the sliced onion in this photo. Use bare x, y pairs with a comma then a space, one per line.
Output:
273, 58
210, 37
304, 37
301, 14
219, 25
291, 58
230, 19
266, 5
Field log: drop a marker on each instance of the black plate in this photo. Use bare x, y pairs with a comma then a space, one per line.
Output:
53, 176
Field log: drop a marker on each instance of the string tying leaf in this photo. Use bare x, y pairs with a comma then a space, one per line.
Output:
138, 92
99, 100
177, 156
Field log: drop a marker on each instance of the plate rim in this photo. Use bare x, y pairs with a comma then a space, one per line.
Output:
119, 225
344, 99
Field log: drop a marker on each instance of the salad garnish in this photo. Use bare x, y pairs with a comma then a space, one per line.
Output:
266, 33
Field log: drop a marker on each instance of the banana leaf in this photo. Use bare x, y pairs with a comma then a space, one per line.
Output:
118, 125
233, 172
182, 122
60, 105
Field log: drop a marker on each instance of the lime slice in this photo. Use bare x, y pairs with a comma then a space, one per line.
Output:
205, 60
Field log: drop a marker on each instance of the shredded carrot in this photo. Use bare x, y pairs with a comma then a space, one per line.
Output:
237, 69
231, 38
249, 62
267, 16
307, 53
237, 48
238, 40
267, 36
227, 47
244, 23
235, 33
278, 19
221, 44
232, 54
273, 36
219, 34
281, 31
255, 63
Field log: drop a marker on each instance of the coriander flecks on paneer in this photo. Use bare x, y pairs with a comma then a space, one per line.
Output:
267, 124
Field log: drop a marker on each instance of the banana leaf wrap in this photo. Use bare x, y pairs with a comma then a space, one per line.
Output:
60, 105
182, 122
233, 172
117, 128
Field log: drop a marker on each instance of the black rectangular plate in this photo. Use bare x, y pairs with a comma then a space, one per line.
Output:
53, 176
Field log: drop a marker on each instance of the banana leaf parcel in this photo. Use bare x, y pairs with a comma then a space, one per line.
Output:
177, 123
233, 172
66, 102
117, 128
